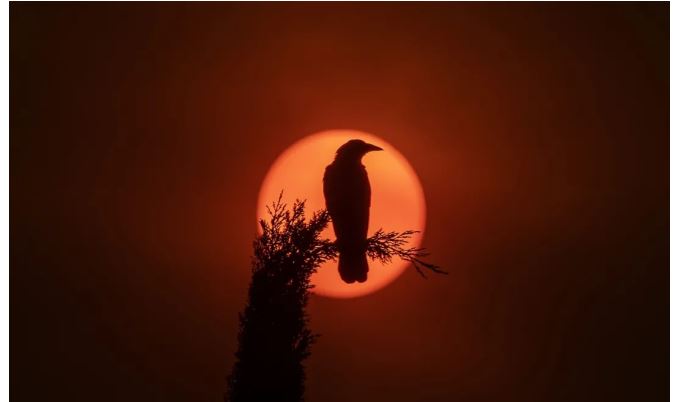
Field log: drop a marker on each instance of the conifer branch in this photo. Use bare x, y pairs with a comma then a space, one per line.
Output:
274, 337
384, 245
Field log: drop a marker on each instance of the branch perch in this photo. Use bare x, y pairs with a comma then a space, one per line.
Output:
274, 336
384, 245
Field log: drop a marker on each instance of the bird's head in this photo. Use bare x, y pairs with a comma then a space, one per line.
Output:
354, 150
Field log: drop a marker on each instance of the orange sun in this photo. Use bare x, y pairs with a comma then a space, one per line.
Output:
397, 201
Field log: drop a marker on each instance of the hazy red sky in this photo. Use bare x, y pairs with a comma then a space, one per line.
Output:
140, 134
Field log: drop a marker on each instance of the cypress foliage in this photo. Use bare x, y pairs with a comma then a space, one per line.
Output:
274, 338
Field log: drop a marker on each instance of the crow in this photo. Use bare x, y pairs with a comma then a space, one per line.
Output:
347, 191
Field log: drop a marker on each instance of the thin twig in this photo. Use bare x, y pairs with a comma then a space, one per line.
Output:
384, 245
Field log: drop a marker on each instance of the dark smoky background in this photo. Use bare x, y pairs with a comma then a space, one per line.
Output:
140, 134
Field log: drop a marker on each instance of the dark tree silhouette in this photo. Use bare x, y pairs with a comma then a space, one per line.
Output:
274, 338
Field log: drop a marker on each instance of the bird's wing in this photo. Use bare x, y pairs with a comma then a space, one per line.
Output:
348, 198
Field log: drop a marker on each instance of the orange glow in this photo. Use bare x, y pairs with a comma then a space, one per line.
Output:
397, 200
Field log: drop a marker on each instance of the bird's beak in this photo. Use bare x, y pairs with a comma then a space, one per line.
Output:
371, 147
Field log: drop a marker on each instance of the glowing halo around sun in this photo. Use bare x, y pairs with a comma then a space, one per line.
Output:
397, 200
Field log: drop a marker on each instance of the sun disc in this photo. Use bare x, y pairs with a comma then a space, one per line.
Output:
397, 200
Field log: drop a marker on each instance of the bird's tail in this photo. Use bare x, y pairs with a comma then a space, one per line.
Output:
353, 267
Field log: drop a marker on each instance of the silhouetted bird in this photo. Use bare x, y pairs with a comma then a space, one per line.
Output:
348, 198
